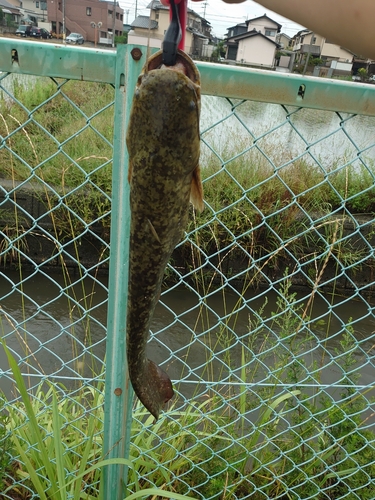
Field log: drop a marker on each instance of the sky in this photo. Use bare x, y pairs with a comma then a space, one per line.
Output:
221, 15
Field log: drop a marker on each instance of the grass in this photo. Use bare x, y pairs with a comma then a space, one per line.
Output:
5, 449
249, 197
263, 443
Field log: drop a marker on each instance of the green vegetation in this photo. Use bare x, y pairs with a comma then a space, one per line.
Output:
42, 149
277, 439
263, 441
121, 39
363, 74
5, 450
219, 51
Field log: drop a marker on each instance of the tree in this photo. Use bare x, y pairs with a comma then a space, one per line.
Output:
219, 51
363, 74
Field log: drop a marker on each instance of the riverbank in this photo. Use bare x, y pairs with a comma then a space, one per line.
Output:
264, 213
29, 212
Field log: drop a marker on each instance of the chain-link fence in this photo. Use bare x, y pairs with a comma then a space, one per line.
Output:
266, 320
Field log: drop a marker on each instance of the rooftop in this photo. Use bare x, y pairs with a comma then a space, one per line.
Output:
144, 22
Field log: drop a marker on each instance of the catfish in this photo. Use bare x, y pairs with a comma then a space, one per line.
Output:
163, 143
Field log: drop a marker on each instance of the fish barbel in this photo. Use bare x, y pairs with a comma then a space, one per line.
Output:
163, 144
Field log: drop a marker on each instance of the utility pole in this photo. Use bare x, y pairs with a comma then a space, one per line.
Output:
308, 52
63, 26
127, 16
136, 8
114, 22
204, 9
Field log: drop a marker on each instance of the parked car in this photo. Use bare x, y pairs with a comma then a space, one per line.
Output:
24, 30
76, 38
40, 32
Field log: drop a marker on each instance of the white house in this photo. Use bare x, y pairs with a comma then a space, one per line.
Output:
257, 45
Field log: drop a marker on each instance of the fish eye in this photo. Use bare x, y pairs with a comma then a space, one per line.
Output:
192, 105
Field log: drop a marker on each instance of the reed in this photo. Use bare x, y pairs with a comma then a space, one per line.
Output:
261, 442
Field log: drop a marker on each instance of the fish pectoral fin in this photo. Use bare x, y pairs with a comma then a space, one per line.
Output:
130, 171
196, 192
153, 231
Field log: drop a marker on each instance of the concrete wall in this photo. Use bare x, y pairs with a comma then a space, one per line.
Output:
136, 38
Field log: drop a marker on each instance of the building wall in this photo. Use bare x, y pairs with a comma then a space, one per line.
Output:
342, 66
161, 16
305, 39
256, 50
142, 34
263, 25
78, 18
283, 40
336, 52
140, 39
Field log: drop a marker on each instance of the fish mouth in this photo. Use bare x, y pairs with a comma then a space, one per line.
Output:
184, 64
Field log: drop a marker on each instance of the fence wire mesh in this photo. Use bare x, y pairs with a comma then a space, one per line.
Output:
266, 319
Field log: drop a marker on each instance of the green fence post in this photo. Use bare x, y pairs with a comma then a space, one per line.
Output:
118, 391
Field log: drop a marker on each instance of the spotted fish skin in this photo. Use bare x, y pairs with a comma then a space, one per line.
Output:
163, 145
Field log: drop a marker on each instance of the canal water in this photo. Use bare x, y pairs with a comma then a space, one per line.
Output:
199, 341
285, 133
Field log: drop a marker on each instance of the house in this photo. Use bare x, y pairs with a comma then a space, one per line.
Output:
10, 10
306, 41
256, 45
154, 26
283, 40
239, 29
265, 25
332, 55
84, 17
32, 11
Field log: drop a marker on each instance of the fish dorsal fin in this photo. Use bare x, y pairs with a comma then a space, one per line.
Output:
196, 192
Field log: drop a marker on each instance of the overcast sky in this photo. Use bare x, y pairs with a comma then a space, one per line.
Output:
221, 15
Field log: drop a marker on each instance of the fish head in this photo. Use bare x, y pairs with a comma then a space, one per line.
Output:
164, 122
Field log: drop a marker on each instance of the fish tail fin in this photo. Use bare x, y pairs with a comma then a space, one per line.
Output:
196, 193
153, 388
